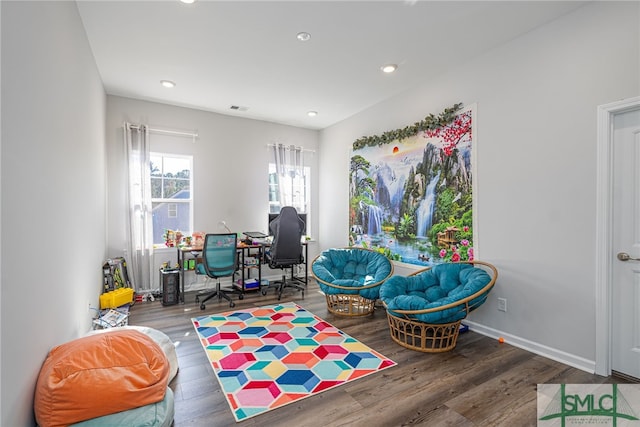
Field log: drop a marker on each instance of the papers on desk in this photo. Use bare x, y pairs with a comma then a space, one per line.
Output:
254, 234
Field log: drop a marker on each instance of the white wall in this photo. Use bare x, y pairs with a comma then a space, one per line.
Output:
536, 167
53, 192
230, 166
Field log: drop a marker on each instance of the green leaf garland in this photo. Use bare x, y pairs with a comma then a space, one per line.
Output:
429, 122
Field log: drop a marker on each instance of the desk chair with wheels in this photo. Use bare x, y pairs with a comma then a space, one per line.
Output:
199, 270
220, 259
286, 249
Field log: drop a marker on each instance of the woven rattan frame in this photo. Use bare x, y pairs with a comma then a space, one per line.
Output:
351, 305
425, 337
434, 338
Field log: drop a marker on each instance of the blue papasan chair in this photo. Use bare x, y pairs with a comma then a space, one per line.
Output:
351, 278
425, 309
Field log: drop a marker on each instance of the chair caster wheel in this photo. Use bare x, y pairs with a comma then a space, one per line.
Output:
197, 299
264, 292
232, 304
202, 307
241, 296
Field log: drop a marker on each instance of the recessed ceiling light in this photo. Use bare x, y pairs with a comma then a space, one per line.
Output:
312, 113
389, 68
187, 1
167, 83
303, 36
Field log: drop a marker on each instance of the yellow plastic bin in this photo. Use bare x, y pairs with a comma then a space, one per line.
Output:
116, 298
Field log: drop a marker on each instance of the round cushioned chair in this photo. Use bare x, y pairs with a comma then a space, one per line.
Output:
425, 309
351, 278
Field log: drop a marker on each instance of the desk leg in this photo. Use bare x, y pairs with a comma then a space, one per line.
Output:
181, 267
241, 274
306, 265
306, 268
181, 299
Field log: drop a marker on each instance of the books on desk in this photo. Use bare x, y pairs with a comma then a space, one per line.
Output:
249, 284
251, 260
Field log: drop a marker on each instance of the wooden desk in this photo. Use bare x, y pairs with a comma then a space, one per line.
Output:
244, 252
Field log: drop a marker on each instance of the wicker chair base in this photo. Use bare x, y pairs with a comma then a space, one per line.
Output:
428, 338
349, 305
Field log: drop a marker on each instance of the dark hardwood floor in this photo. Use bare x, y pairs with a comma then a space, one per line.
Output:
480, 383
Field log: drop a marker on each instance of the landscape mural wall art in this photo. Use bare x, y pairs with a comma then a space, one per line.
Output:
410, 190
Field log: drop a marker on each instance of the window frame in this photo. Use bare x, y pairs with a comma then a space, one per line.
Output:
170, 200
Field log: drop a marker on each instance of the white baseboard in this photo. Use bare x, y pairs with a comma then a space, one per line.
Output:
534, 347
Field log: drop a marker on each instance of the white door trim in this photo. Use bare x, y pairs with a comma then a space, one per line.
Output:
604, 206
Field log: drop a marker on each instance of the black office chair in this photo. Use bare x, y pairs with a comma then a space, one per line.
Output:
286, 249
220, 259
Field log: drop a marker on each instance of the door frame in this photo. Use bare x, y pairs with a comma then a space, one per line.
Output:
604, 230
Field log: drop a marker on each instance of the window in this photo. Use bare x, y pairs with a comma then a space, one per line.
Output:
290, 189
289, 180
171, 194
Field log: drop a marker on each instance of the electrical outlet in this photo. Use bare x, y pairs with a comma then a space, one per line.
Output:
502, 304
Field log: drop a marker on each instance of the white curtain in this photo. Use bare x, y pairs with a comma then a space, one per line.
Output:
139, 224
289, 161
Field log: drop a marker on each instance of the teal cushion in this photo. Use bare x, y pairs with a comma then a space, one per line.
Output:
443, 284
354, 268
158, 414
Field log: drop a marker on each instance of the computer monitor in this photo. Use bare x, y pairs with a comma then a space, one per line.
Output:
303, 216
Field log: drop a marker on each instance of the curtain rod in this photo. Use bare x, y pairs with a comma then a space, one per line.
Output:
167, 131
289, 145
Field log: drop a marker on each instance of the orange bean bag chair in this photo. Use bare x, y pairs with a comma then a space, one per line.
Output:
99, 375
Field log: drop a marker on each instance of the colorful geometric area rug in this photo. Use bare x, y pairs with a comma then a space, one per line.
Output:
268, 357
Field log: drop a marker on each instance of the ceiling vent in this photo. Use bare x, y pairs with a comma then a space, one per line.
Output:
238, 108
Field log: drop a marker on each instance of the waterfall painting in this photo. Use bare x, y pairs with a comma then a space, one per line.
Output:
410, 191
